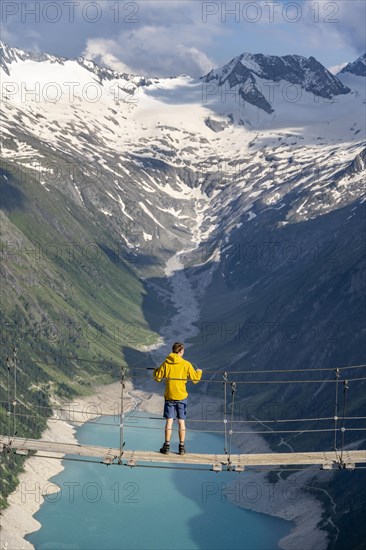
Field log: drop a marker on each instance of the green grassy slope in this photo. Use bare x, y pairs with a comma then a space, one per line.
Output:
67, 290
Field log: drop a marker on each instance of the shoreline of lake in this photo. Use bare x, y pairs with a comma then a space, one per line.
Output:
17, 520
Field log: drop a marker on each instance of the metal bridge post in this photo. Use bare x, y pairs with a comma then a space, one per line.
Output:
122, 415
343, 429
337, 375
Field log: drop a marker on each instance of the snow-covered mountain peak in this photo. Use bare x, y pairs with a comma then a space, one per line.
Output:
177, 162
357, 67
250, 72
10, 55
277, 96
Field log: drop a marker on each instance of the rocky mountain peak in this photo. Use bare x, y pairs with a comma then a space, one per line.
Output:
357, 67
247, 71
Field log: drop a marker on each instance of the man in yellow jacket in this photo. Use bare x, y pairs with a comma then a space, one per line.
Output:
176, 371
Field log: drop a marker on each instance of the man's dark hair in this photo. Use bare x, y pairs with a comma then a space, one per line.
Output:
177, 347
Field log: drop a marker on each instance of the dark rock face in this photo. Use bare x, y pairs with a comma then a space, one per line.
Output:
357, 67
245, 71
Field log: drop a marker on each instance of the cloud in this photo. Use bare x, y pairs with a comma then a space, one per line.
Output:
193, 55
151, 38
340, 25
153, 50
101, 51
335, 69
30, 37
171, 37
352, 18
148, 57
7, 36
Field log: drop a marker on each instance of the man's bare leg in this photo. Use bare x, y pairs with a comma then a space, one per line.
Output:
168, 429
182, 430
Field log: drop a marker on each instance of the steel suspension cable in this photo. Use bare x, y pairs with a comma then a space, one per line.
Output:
210, 380
133, 415
133, 424
254, 371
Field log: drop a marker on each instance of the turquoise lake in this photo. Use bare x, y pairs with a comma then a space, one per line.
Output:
116, 507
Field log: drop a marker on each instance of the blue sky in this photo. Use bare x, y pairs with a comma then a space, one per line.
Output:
169, 37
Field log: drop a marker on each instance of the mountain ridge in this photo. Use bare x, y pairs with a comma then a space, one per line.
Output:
357, 67
266, 66
9, 54
308, 73
259, 213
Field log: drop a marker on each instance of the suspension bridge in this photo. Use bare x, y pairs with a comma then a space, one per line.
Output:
338, 457
217, 462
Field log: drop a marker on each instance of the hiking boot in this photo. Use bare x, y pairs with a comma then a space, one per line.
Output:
165, 449
182, 449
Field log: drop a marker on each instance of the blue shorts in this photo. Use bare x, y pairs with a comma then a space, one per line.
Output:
174, 409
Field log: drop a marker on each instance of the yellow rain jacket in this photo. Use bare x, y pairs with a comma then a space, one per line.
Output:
176, 367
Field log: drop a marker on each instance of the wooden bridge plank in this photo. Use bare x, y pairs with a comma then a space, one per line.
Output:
263, 459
